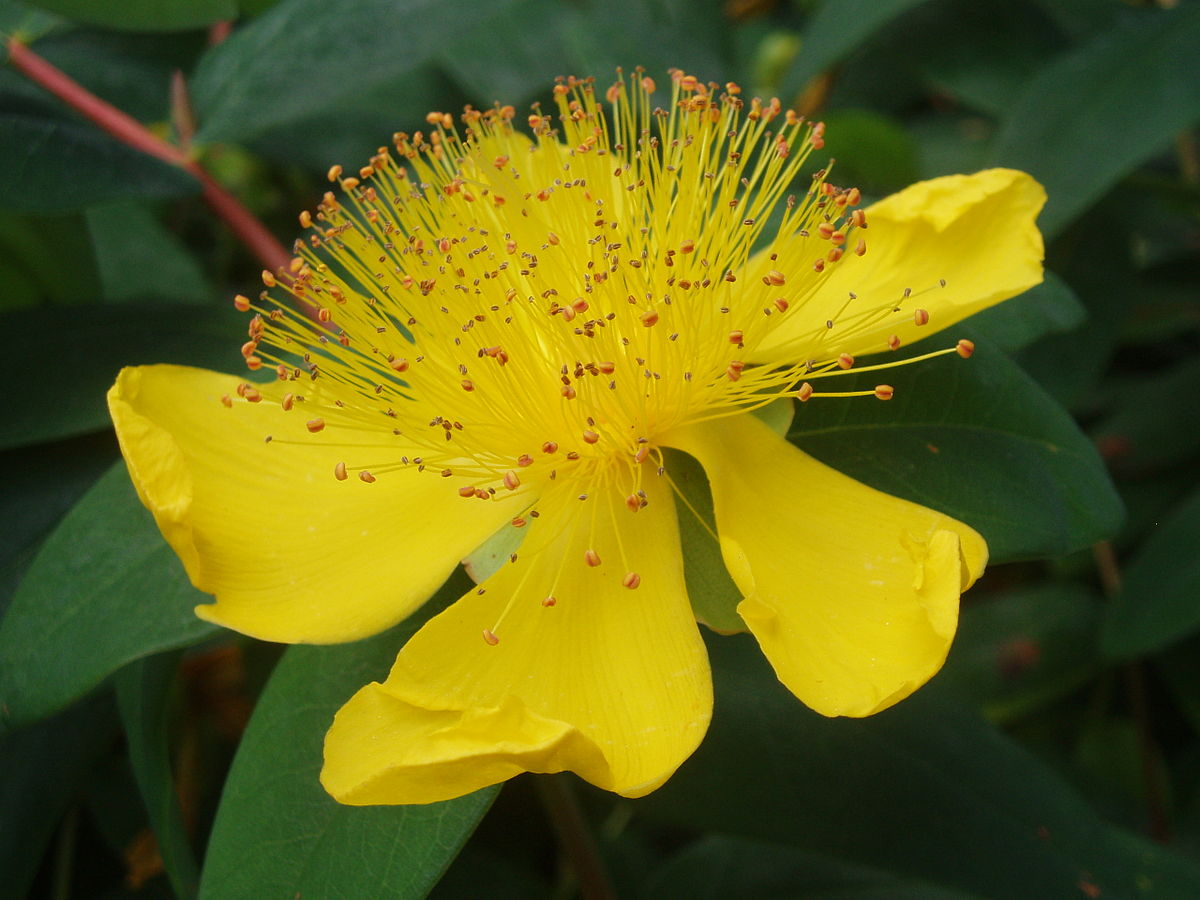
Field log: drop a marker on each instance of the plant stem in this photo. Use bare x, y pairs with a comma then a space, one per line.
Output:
1135, 685
243, 223
575, 839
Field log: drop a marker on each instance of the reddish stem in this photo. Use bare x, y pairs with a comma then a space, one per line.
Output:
245, 226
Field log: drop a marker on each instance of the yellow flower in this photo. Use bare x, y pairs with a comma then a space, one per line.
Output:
504, 333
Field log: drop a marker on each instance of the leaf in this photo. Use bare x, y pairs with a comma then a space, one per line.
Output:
1045, 309
836, 29
44, 767
55, 164
143, 690
278, 834
925, 791
1019, 650
977, 439
143, 15
718, 866
1143, 431
139, 259
286, 65
104, 590
872, 150
1090, 116
1157, 604
68, 398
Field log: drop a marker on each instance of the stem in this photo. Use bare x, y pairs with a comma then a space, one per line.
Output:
244, 225
1135, 685
575, 838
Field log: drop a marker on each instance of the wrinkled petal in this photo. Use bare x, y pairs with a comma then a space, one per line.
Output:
976, 233
611, 683
851, 593
291, 553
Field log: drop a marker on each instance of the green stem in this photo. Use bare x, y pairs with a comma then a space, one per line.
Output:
575, 839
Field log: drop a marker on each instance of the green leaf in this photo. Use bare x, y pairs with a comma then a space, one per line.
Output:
836, 29
977, 439
278, 834
1092, 115
718, 866
143, 15
67, 398
45, 259
104, 590
54, 164
140, 260
1048, 308
44, 766
872, 150
143, 691
926, 791
1158, 602
288, 64
1019, 650
1143, 432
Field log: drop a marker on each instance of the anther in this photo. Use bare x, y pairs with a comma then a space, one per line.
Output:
590, 436
845, 361
366, 477
774, 278
288, 401
252, 394
400, 365
241, 303
894, 342
524, 460
267, 278
339, 471
631, 580
549, 447
315, 425
781, 305
736, 337
466, 492
591, 557
860, 249
518, 522
567, 391
226, 400
920, 317
511, 481
884, 391
649, 318
804, 392
965, 348
490, 638
468, 385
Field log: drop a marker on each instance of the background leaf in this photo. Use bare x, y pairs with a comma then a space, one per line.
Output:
978, 440
104, 590
278, 833
1096, 112
925, 790
1158, 602
148, 15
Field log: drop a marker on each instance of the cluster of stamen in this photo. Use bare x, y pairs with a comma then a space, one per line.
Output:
519, 311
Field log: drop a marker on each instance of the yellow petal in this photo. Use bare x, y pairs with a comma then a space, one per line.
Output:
291, 553
977, 233
611, 683
851, 593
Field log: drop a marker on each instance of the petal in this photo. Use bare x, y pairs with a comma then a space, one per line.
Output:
977, 233
609, 682
291, 553
851, 593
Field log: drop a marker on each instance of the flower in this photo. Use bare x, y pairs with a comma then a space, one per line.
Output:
503, 333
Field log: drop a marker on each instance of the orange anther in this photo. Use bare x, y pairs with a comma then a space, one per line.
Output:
334, 173
854, 196
607, 367
315, 425
366, 477
687, 246
524, 460
552, 239
339, 471
549, 447
825, 230
642, 453
549, 601
649, 318
490, 638
466, 492
267, 278
648, 85
804, 392
860, 249
511, 481
590, 436
845, 361
324, 315
253, 363
591, 557
468, 385
288, 401
736, 337
920, 317
884, 391
781, 305
400, 365
567, 391
634, 502
965, 348
241, 303
858, 218
631, 580
518, 522
894, 342
775, 278
248, 349
226, 400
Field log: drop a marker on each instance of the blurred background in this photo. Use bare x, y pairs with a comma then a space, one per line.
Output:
145, 754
